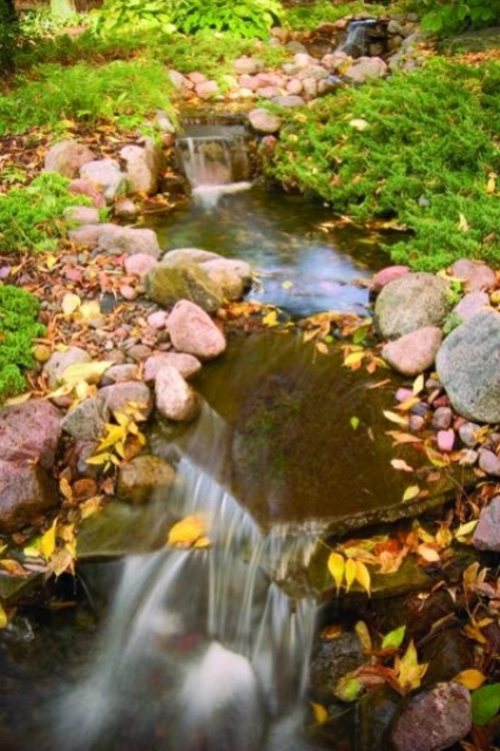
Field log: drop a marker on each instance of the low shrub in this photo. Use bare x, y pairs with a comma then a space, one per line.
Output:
312, 15
31, 217
444, 16
426, 155
246, 19
18, 329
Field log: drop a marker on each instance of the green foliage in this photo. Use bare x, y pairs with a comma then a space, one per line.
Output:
30, 218
124, 91
425, 158
18, 329
248, 19
312, 15
485, 703
40, 23
135, 15
454, 15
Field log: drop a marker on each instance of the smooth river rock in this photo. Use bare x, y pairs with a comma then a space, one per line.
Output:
166, 285
470, 304
411, 302
67, 157
413, 353
30, 432
187, 365
475, 275
192, 330
59, 361
468, 365
27, 492
487, 532
233, 277
264, 121
433, 720
143, 478
119, 396
175, 399
106, 175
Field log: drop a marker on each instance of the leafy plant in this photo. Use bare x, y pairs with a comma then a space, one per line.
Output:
30, 217
445, 16
247, 19
134, 16
18, 329
431, 134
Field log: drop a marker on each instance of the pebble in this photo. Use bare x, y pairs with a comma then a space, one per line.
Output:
158, 319
128, 292
42, 353
489, 462
139, 352
442, 418
468, 457
467, 433
446, 440
403, 394
416, 423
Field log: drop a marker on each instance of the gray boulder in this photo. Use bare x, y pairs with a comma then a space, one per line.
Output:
468, 365
175, 399
192, 330
166, 285
487, 532
413, 353
143, 165
67, 157
411, 302
27, 492
144, 478
233, 277
433, 720
30, 432
106, 174
85, 421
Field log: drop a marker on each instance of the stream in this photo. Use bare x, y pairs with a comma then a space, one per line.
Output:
208, 650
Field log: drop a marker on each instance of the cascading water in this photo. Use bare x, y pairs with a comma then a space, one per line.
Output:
356, 43
215, 161
203, 650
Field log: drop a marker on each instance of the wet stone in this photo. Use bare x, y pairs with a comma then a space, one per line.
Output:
144, 478
193, 331
411, 302
27, 493
85, 421
474, 274
175, 399
487, 532
119, 396
166, 285
442, 418
331, 660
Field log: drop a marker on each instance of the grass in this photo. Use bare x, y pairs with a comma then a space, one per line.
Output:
425, 158
122, 91
18, 329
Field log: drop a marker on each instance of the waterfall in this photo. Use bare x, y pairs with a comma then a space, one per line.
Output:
203, 650
356, 43
215, 161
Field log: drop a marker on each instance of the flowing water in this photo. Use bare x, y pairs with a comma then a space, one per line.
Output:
208, 649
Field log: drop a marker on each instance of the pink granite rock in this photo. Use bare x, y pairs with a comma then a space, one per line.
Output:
387, 275
192, 330
413, 353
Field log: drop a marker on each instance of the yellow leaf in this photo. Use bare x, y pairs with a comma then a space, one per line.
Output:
475, 634
363, 576
411, 492
99, 459
89, 372
322, 348
187, 532
70, 303
50, 262
463, 224
3, 618
271, 319
89, 310
350, 573
418, 384
3, 548
394, 417
428, 554
363, 634
492, 183
116, 433
465, 530
319, 712
353, 359
48, 541
65, 489
408, 404
336, 567
471, 679
13, 567
409, 672
91, 506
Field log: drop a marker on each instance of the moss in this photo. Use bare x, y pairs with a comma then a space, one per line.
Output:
18, 329
31, 217
425, 158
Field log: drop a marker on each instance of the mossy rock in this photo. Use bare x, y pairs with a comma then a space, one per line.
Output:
166, 285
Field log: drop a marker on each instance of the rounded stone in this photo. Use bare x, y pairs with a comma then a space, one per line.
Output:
264, 121
192, 330
468, 365
411, 302
144, 478
413, 353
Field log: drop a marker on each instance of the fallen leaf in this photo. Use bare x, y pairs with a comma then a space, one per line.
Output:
409, 672
418, 384
471, 679
348, 688
401, 465
48, 541
362, 576
428, 554
271, 319
463, 224
70, 303
354, 422
187, 532
319, 712
358, 123
411, 492
354, 359
350, 573
394, 639
394, 417
363, 634
485, 703
3, 618
336, 567
464, 531
287, 285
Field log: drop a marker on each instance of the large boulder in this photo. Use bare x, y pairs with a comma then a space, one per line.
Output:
468, 365
67, 157
54, 368
434, 719
175, 399
487, 532
30, 432
144, 478
143, 165
166, 285
106, 175
192, 330
27, 492
411, 302
413, 353
233, 277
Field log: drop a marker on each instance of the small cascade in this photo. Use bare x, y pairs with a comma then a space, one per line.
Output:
215, 160
203, 651
358, 37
